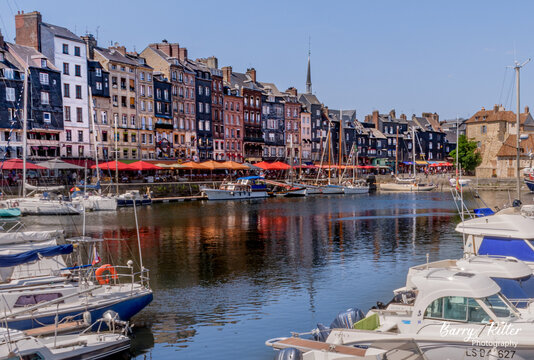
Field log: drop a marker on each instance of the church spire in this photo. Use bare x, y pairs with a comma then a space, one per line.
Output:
308, 77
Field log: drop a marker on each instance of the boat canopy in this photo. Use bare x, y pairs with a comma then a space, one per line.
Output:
495, 267
29, 236
251, 178
34, 255
500, 225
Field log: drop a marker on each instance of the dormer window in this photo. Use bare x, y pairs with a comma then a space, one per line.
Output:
2, 56
43, 63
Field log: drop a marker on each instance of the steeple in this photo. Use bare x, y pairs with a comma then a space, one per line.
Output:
308, 77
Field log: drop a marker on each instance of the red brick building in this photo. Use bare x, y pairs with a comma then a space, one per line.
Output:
233, 124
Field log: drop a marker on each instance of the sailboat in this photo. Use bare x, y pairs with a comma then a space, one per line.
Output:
289, 188
41, 203
329, 188
407, 184
356, 186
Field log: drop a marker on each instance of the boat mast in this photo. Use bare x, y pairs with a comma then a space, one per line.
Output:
340, 144
92, 115
291, 158
517, 67
413, 151
329, 147
24, 131
116, 157
355, 171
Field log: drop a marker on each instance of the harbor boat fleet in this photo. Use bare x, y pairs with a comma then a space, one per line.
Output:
478, 307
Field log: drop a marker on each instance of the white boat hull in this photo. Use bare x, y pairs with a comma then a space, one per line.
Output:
31, 206
217, 194
355, 190
406, 187
99, 203
296, 193
332, 190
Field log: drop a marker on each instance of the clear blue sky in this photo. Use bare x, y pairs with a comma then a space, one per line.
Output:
447, 57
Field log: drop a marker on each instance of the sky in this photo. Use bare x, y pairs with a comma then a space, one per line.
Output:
449, 57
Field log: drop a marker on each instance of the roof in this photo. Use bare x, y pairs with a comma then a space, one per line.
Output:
376, 133
31, 54
508, 148
244, 81
496, 114
271, 89
115, 56
171, 60
10, 62
141, 62
62, 32
427, 124
513, 226
309, 99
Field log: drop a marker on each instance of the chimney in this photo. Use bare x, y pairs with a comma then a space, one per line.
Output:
227, 73
120, 49
292, 91
392, 114
527, 110
495, 108
28, 29
252, 74
182, 54
403, 117
90, 44
175, 50
375, 119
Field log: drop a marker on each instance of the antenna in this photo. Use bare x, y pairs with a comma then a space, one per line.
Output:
97, 28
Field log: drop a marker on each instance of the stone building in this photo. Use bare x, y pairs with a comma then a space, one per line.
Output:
305, 135
507, 156
490, 129
292, 124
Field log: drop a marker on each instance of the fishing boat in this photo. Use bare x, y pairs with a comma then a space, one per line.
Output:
448, 314
52, 344
249, 187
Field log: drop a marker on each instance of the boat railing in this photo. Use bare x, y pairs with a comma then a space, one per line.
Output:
118, 275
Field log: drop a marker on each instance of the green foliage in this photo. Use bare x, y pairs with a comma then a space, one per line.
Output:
468, 155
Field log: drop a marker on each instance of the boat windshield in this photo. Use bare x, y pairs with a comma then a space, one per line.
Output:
500, 307
518, 291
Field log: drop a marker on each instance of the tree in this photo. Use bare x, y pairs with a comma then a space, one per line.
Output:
468, 156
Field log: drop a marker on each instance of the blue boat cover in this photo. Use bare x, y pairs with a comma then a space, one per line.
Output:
251, 178
34, 255
517, 248
483, 212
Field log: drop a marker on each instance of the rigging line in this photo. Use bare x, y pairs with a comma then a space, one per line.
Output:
502, 85
508, 101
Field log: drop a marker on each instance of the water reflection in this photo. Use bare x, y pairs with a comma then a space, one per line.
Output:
228, 275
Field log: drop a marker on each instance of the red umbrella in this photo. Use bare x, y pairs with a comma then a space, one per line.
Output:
264, 165
143, 165
112, 165
18, 164
278, 165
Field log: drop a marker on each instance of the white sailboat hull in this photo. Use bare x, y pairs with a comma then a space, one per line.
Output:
99, 203
355, 190
332, 190
296, 193
406, 187
218, 194
29, 206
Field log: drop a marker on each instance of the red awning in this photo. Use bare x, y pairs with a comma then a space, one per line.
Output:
143, 165
112, 165
17, 164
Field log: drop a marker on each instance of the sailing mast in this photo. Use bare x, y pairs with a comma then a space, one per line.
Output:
92, 115
413, 151
24, 131
340, 144
329, 147
116, 157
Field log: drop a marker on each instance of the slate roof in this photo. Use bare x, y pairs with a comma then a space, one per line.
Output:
10, 62
115, 56
34, 57
376, 133
270, 88
509, 147
244, 81
427, 124
309, 99
140, 61
62, 32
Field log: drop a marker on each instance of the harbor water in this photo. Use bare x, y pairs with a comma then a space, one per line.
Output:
229, 275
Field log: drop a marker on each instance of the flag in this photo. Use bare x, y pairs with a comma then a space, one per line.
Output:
96, 257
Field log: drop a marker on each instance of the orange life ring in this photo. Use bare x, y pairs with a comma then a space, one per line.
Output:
104, 279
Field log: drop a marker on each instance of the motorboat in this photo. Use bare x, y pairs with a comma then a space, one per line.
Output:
459, 182
514, 277
52, 343
356, 187
297, 348
249, 187
407, 185
128, 198
448, 314
36, 284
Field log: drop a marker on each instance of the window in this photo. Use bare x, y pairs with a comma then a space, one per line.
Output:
10, 94
47, 118
76, 51
104, 117
483, 129
78, 91
124, 119
80, 135
79, 115
68, 135
98, 72
77, 70
134, 138
43, 78
142, 75
65, 49
66, 68
26, 300
207, 107
125, 137
148, 77
9, 74
66, 90
200, 90
45, 100
104, 136
207, 91
98, 85
200, 107
66, 113
80, 151
132, 120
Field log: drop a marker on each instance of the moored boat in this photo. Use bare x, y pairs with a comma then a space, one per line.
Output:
407, 185
128, 198
249, 187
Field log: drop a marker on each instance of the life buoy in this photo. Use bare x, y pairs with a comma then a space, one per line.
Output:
103, 278
15, 204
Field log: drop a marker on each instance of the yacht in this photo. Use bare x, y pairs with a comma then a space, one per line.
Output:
128, 198
249, 187
43, 203
407, 185
449, 314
